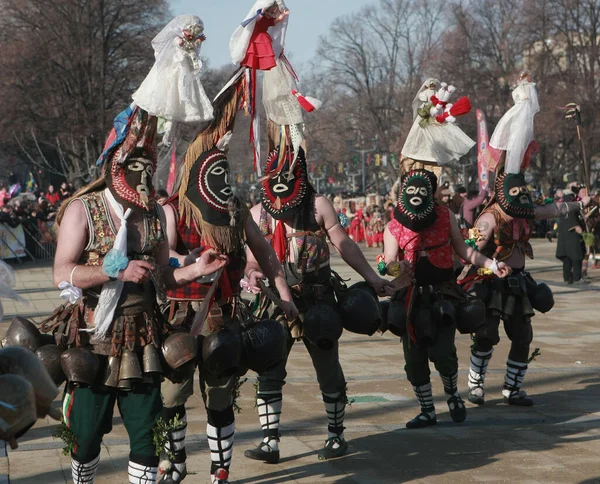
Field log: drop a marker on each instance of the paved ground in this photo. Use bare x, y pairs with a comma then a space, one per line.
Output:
557, 440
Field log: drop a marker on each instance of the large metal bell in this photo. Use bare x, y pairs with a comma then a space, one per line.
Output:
20, 361
111, 376
130, 366
179, 348
49, 355
80, 365
126, 385
23, 333
17, 406
151, 360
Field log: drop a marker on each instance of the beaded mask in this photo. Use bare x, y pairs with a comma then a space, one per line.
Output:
513, 195
132, 165
416, 206
283, 192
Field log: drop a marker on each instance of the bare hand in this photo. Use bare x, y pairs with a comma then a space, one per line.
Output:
503, 270
192, 256
210, 261
579, 230
290, 310
137, 271
382, 286
202, 38
253, 279
586, 200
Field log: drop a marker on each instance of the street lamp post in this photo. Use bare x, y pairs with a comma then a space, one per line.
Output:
363, 153
353, 176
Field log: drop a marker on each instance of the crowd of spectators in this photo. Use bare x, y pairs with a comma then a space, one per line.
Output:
30, 204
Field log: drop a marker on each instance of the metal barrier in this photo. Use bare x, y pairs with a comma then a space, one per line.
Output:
39, 242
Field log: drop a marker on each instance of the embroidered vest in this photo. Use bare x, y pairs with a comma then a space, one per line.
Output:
433, 242
308, 246
102, 235
508, 235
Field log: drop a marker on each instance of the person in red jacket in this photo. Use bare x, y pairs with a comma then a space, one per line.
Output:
52, 196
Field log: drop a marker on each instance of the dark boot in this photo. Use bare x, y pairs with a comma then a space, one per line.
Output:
335, 445
269, 413
427, 416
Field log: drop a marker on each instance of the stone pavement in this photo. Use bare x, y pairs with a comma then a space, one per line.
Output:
556, 441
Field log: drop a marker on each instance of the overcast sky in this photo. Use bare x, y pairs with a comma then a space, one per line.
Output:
308, 20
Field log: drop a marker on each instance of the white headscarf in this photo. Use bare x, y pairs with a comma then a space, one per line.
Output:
241, 37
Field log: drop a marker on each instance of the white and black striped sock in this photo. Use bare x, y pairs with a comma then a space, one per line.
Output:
84, 473
425, 398
450, 384
220, 442
141, 474
515, 374
478, 368
335, 407
176, 447
269, 414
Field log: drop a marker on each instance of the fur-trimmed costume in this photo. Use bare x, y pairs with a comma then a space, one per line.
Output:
207, 215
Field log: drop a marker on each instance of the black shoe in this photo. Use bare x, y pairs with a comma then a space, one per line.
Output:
331, 452
457, 408
421, 421
270, 457
475, 396
519, 399
549, 236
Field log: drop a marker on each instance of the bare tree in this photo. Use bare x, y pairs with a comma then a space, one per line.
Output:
66, 68
369, 67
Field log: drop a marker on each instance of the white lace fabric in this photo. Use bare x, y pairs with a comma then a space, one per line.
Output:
173, 89
514, 131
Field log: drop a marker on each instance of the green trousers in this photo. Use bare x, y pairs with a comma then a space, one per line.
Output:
89, 411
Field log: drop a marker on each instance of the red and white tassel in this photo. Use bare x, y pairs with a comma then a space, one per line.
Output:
460, 107
309, 104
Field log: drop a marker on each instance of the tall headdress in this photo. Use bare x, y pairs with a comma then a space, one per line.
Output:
205, 195
129, 158
173, 89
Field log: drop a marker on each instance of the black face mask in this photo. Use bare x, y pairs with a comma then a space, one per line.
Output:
416, 206
131, 182
209, 189
283, 193
513, 196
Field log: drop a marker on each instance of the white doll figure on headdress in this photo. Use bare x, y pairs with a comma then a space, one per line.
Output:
433, 137
258, 42
258, 45
514, 131
173, 90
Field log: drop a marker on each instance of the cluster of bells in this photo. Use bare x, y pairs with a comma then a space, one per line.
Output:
32, 365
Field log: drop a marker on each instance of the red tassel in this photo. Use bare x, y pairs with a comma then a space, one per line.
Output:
309, 104
460, 107
279, 242
532, 149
